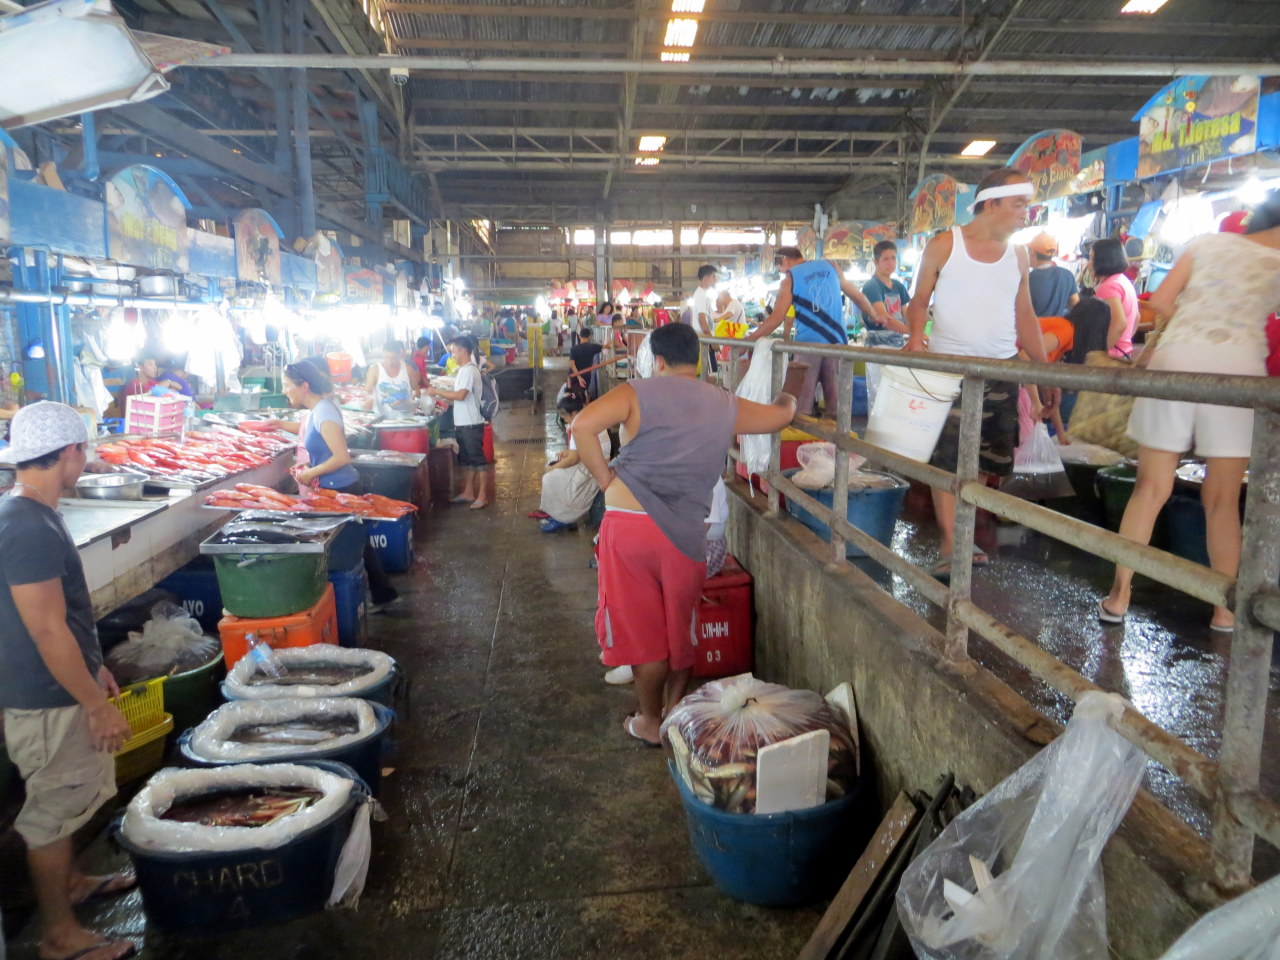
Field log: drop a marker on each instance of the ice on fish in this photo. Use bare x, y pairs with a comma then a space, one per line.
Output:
302, 731
242, 807
314, 675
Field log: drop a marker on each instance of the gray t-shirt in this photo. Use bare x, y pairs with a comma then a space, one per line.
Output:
35, 546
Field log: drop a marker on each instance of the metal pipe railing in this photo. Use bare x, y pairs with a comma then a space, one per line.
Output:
1240, 811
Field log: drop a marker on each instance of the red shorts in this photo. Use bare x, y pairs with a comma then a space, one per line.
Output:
648, 593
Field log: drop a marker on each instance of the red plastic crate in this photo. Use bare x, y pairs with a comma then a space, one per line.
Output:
722, 628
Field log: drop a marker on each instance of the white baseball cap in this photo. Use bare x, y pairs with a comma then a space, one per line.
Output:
42, 428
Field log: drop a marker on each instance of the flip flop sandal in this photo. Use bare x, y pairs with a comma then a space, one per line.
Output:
105, 889
479, 504
1106, 616
104, 945
538, 515
627, 726
1222, 627
460, 499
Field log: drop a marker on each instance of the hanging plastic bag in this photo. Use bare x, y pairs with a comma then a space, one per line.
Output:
1038, 473
1247, 928
725, 723
644, 357
170, 642
1016, 876
757, 386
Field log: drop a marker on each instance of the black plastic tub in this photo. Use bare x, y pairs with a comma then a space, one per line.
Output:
364, 757
198, 894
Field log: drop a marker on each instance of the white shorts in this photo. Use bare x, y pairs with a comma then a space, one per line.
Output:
1209, 430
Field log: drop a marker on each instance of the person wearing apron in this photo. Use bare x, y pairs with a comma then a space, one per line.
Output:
392, 384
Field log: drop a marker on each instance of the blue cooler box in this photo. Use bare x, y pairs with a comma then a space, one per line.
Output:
196, 585
350, 591
873, 511
392, 540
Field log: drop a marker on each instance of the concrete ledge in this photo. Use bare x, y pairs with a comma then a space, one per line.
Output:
818, 625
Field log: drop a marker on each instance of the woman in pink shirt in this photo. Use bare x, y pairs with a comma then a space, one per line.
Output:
1115, 289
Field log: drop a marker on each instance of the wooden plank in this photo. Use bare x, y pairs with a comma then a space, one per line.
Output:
895, 825
792, 774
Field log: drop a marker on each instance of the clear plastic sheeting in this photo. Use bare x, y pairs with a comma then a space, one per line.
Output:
170, 642
1247, 928
757, 386
254, 730
726, 723
1016, 876
307, 664
644, 357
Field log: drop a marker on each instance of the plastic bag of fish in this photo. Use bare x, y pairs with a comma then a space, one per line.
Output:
725, 723
170, 642
320, 670
267, 729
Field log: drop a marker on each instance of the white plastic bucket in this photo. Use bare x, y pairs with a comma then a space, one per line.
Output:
910, 409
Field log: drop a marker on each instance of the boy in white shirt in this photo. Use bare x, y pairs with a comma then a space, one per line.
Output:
467, 420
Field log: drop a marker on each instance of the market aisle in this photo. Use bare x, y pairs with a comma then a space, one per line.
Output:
522, 823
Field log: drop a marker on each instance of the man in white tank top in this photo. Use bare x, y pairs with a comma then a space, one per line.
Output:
978, 283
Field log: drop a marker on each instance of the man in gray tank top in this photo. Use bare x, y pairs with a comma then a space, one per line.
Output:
676, 434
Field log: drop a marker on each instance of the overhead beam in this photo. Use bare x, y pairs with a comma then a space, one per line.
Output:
715, 133
1121, 25
847, 65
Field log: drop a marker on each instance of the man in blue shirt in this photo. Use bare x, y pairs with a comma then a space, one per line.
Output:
1053, 288
814, 288
886, 326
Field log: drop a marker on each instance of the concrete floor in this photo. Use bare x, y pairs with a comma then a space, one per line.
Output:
523, 823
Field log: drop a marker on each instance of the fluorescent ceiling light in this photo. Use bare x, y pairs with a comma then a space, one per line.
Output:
1143, 6
687, 6
647, 161
680, 32
67, 57
652, 143
671, 56
978, 148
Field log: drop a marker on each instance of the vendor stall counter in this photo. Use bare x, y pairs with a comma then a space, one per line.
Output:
129, 546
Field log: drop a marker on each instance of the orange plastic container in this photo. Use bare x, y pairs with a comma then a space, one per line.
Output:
339, 366
319, 624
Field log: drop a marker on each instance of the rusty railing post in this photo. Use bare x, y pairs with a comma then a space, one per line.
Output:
843, 402
957, 643
1248, 672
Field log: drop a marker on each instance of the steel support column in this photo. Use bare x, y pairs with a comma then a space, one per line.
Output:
302, 124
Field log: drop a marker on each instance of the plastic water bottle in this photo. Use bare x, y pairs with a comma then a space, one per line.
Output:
264, 656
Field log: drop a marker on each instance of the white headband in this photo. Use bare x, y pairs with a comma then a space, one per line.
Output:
1022, 189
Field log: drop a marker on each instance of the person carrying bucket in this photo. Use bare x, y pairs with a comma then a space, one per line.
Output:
978, 282
814, 288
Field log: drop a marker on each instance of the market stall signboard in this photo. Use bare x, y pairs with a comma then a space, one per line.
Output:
874, 233
1093, 171
933, 204
4, 194
328, 259
258, 248
365, 286
147, 220
1197, 120
843, 240
1051, 158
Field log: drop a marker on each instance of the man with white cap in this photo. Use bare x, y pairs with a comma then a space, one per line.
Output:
60, 727
1053, 287
977, 281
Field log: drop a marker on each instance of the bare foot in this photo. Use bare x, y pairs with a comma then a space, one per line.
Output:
82, 944
85, 888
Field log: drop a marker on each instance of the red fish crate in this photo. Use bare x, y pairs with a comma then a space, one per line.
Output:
156, 416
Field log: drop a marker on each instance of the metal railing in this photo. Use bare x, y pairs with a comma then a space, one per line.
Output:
1231, 785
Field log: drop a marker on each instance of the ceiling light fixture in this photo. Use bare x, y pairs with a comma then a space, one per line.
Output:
647, 161
978, 148
652, 143
680, 32
1143, 6
672, 56
687, 6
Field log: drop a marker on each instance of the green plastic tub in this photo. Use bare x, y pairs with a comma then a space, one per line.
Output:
271, 584
193, 695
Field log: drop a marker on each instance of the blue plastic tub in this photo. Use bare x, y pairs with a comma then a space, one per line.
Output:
860, 397
365, 757
873, 511
202, 894
196, 585
347, 548
1187, 528
350, 590
775, 859
392, 540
